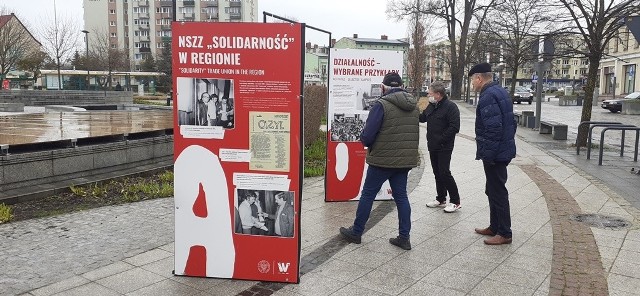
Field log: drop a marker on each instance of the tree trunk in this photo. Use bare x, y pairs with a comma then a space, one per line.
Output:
59, 76
587, 103
457, 76
514, 78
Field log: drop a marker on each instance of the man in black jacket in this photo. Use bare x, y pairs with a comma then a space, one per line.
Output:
443, 123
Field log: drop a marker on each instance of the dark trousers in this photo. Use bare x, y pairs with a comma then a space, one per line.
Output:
441, 165
496, 191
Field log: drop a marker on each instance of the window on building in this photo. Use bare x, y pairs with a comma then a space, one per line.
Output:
113, 46
163, 9
232, 10
160, 45
113, 35
565, 72
143, 9
112, 23
137, 56
565, 62
112, 11
186, 9
575, 62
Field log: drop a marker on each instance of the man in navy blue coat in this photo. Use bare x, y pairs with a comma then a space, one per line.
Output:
496, 147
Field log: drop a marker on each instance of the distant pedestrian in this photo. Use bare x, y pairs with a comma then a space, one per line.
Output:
391, 135
118, 86
443, 123
496, 147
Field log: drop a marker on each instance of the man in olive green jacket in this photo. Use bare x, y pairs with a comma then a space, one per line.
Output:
391, 135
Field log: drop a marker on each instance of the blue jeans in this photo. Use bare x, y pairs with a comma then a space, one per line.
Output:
372, 184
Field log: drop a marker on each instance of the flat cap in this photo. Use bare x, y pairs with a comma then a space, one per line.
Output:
480, 68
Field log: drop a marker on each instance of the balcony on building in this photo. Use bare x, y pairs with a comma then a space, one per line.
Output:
143, 3
144, 49
188, 3
212, 3
165, 3
235, 4
235, 15
566, 66
210, 16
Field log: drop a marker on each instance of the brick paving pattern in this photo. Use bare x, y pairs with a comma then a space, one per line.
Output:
576, 266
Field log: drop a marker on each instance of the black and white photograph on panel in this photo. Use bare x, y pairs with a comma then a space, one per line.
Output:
367, 95
347, 127
206, 102
264, 212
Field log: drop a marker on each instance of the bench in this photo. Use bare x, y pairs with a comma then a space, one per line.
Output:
558, 130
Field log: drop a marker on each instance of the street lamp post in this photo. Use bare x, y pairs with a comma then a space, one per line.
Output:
86, 63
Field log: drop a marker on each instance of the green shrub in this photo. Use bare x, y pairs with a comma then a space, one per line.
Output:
5, 213
315, 156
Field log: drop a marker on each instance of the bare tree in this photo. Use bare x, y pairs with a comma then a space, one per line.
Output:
33, 63
163, 64
105, 56
16, 43
59, 38
515, 24
459, 17
417, 55
596, 22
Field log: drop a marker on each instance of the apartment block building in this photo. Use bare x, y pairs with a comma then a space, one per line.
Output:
143, 27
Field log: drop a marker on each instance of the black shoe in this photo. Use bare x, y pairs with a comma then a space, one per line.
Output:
402, 243
350, 236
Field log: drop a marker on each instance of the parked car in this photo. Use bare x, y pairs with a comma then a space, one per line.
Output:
552, 88
615, 105
522, 94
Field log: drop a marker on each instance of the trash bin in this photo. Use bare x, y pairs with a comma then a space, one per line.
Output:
169, 96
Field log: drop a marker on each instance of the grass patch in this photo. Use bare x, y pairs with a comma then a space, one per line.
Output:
141, 101
315, 156
125, 190
6, 213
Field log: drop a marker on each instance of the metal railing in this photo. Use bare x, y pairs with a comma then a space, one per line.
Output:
623, 129
591, 122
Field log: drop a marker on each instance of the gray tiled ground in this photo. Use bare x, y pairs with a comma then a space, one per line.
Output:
447, 258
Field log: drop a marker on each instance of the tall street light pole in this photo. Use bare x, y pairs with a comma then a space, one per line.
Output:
86, 62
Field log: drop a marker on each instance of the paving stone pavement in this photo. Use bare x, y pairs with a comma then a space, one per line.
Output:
128, 250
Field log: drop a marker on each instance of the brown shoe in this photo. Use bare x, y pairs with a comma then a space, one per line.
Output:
497, 240
485, 231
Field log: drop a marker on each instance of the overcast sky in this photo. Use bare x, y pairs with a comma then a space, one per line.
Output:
342, 18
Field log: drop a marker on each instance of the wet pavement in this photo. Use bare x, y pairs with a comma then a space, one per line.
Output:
27, 128
128, 249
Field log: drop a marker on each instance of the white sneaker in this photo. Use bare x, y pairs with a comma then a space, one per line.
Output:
436, 204
451, 207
